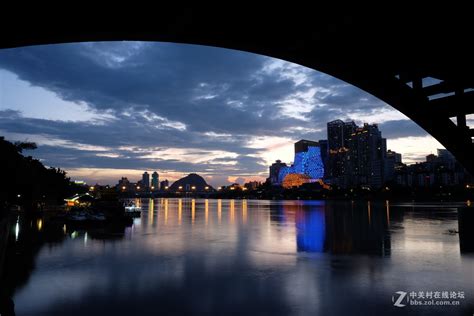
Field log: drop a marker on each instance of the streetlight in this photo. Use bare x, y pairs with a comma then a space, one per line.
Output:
193, 188
123, 188
206, 188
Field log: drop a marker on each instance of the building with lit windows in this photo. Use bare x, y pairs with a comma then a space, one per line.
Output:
366, 157
339, 138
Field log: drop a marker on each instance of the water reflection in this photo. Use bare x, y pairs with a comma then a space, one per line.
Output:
215, 256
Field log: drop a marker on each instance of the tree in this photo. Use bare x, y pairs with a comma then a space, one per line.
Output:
20, 146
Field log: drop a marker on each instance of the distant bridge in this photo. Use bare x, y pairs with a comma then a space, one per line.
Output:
387, 54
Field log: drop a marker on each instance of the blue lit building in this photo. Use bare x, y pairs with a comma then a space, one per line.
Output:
308, 161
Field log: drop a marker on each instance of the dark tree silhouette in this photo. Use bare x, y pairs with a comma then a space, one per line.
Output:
25, 145
26, 181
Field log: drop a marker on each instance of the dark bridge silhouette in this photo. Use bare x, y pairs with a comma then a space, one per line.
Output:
389, 54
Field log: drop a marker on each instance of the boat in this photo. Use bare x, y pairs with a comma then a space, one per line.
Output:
85, 215
131, 209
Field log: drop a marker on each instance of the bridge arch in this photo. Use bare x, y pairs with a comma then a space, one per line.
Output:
388, 56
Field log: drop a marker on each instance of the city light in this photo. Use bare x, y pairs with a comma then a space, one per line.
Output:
308, 162
193, 188
166, 187
138, 188
180, 187
39, 224
206, 188
123, 188
92, 188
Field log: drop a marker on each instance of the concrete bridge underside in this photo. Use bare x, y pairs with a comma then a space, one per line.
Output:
387, 54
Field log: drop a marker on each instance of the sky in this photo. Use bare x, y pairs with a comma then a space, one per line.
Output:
105, 110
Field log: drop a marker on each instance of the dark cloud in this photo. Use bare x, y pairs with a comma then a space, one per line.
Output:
401, 128
169, 80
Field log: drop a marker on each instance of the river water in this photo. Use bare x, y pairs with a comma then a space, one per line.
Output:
186, 256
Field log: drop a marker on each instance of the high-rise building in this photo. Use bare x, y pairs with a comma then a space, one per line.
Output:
145, 180
335, 134
392, 161
366, 158
339, 134
338, 143
275, 171
155, 181
348, 129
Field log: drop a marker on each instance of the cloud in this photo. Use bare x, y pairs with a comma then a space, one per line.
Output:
401, 128
174, 107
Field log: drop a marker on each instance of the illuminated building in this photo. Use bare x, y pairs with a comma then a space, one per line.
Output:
155, 181
303, 145
307, 161
294, 180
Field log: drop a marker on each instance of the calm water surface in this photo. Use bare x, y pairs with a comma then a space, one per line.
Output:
185, 256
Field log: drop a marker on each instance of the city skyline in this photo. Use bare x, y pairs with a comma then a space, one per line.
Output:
106, 110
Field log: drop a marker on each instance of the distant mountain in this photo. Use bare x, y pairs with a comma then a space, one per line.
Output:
191, 183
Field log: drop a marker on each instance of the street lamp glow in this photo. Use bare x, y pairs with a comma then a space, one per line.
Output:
166, 187
92, 188
180, 187
123, 188
193, 188
207, 188
138, 188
